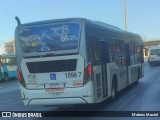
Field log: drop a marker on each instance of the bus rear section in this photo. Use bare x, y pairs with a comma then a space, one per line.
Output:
154, 55
51, 70
57, 81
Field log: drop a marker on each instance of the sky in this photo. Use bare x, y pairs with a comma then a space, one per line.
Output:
143, 16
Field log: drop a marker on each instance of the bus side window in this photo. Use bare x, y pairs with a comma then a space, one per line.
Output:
128, 57
13, 60
132, 53
138, 53
120, 53
112, 51
141, 54
95, 54
8, 60
135, 53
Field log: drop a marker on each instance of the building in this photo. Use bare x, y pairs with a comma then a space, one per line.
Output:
2, 50
9, 46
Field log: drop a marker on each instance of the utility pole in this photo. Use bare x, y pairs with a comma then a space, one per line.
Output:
125, 16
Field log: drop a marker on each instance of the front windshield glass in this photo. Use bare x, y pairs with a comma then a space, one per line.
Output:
8, 61
49, 37
155, 52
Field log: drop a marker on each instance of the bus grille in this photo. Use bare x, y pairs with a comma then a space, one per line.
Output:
52, 66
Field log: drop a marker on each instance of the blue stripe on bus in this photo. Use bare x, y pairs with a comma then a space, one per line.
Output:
10, 74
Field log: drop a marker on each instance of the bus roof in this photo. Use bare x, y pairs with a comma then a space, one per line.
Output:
102, 24
53, 20
111, 27
96, 23
78, 19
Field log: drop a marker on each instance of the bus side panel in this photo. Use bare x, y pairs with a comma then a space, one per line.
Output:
112, 69
11, 70
97, 83
134, 73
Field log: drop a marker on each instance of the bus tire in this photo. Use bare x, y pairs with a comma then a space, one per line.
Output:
136, 82
114, 88
138, 77
6, 76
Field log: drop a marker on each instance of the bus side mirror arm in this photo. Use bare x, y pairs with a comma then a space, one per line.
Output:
18, 20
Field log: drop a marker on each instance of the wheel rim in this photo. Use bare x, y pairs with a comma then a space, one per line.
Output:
113, 92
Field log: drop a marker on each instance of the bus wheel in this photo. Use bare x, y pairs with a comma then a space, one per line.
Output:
114, 88
5, 76
136, 82
113, 92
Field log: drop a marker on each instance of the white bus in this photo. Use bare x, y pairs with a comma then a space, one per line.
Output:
154, 55
75, 61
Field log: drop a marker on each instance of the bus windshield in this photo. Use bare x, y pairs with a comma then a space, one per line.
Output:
8, 60
52, 37
155, 52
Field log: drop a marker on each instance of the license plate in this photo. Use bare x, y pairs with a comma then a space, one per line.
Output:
54, 90
57, 85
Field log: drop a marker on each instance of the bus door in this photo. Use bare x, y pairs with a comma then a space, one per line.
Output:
96, 69
104, 58
100, 58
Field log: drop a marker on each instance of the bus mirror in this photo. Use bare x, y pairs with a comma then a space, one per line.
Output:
18, 20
